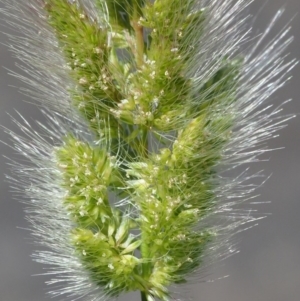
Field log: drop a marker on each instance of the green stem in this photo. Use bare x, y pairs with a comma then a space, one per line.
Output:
144, 247
139, 32
143, 296
145, 144
139, 35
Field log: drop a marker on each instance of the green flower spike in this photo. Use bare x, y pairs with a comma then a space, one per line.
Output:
158, 103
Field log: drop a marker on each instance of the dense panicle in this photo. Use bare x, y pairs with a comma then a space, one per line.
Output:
148, 105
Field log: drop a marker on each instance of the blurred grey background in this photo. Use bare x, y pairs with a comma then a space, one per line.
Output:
268, 266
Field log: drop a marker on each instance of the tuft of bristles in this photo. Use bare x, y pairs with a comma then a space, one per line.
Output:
148, 105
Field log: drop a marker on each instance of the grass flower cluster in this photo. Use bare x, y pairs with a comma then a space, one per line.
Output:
148, 105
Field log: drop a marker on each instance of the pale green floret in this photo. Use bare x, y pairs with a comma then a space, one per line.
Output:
132, 85
169, 48
87, 174
85, 45
102, 237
